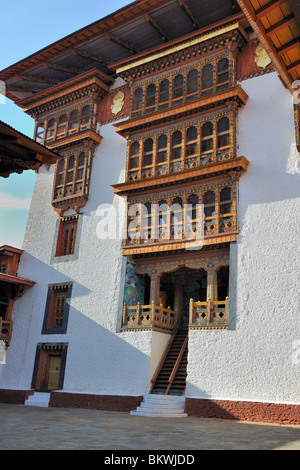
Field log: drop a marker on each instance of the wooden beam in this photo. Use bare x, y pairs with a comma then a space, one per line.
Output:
158, 28
281, 25
90, 56
268, 8
62, 68
292, 67
33, 78
122, 43
189, 13
288, 47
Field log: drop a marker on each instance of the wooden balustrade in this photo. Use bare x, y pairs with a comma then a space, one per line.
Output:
212, 314
148, 317
5, 329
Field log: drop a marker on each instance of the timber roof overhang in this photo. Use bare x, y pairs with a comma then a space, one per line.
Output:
139, 27
277, 25
18, 152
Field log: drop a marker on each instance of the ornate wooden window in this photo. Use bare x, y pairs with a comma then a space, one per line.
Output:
62, 126
85, 117
147, 160
209, 202
137, 101
192, 86
67, 236
177, 217
150, 98
178, 89
164, 94
207, 82
200, 143
187, 83
51, 128
176, 150
191, 146
222, 73
57, 308
74, 121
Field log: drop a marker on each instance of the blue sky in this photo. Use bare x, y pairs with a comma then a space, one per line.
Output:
26, 27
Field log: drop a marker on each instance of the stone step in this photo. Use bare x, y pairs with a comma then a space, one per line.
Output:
38, 399
163, 406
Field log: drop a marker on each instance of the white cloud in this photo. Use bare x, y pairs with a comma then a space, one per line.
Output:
8, 201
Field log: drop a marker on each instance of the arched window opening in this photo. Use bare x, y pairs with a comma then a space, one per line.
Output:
134, 156
164, 93
51, 129
191, 215
176, 219
70, 170
176, 151
163, 227
209, 201
85, 117
207, 144
178, 88
146, 222
191, 141
223, 74
207, 79
223, 137
80, 167
150, 98
137, 101
226, 214
147, 154
192, 86
62, 126
74, 121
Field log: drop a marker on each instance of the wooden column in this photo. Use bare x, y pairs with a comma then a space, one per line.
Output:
155, 289
212, 285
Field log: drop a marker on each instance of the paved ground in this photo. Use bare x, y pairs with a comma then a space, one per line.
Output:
28, 428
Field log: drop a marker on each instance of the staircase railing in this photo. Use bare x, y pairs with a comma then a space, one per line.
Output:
162, 361
177, 364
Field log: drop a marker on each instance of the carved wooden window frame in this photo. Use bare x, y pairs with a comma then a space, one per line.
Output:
57, 308
207, 147
213, 62
216, 220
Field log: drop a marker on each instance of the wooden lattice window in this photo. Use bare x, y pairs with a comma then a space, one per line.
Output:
137, 101
57, 308
150, 98
147, 154
40, 133
223, 73
62, 126
209, 201
207, 79
74, 121
67, 236
164, 93
50, 135
178, 88
85, 117
192, 85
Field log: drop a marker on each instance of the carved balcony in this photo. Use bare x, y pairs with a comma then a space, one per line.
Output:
148, 317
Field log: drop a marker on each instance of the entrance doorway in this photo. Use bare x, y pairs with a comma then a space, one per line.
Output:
178, 287
48, 374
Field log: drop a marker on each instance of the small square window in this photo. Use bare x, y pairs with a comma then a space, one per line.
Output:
57, 309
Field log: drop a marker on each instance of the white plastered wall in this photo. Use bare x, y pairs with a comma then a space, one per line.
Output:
255, 358
100, 358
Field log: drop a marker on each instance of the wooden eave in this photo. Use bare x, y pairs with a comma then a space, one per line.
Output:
75, 139
237, 22
18, 152
188, 108
16, 280
94, 77
238, 164
277, 25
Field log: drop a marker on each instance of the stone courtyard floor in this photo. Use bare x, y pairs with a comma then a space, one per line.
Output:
32, 428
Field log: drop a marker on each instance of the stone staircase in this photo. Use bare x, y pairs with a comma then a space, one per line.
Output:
161, 406
171, 378
38, 399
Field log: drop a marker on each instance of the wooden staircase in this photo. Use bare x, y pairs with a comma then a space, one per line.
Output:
170, 378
